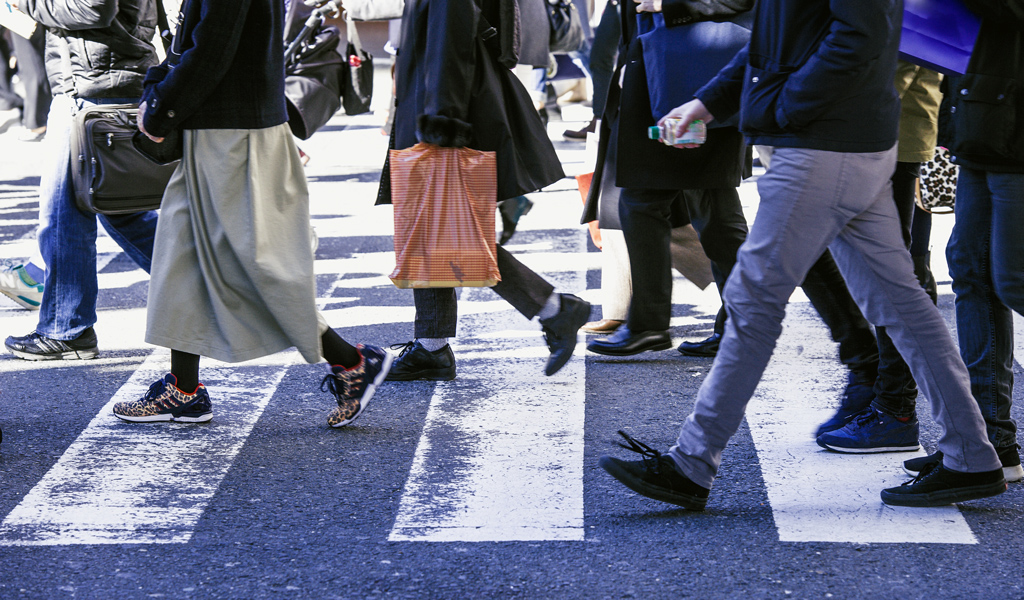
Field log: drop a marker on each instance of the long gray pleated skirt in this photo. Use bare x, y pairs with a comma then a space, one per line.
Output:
232, 275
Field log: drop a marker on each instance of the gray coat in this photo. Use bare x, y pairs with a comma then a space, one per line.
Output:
108, 44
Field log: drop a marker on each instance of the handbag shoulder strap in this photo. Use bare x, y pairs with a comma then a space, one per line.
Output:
163, 26
353, 34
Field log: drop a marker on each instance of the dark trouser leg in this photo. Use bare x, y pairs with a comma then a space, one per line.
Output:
717, 217
32, 72
827, 291
437, 308
646, 225
895, 389
436, 312
602, 55
525, 290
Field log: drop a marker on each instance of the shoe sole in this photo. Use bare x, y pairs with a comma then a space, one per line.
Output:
661, 494
21, 300
370, 389
166, 418
698, 354
875, 450
428, 375
651, 348
1010, 474
70, 355
944, 497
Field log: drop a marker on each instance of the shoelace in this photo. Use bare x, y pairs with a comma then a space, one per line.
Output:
651, 457
330, 384
405, 347
926, 471
155, 390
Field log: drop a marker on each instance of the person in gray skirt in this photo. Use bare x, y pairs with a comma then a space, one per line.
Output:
232, 276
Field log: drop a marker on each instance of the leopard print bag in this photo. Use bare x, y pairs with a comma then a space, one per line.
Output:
938, 183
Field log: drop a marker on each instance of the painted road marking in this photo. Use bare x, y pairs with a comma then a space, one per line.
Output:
821, 496
136, 483
501, 454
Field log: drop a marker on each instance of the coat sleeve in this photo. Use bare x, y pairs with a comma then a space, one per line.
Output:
721, 95
449, 65
72, 15
172, 94
857, 35
374, 10
681, 12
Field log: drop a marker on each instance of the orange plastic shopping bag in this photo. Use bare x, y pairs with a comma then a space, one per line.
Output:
444, 201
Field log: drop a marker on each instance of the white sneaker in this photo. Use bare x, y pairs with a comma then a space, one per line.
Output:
19, 286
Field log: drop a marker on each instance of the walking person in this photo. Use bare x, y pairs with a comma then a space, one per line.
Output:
455, 89
97, 52
825, 100
986, 251
233, 275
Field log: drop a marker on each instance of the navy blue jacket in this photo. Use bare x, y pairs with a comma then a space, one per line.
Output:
815, 75
225, 69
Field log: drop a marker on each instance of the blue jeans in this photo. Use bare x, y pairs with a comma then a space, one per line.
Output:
812, 200
67, 236
986, 260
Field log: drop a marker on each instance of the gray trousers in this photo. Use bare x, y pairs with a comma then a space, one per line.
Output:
812, 200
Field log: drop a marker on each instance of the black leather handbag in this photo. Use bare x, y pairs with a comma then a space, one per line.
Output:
314, 74
110, 176
566, 27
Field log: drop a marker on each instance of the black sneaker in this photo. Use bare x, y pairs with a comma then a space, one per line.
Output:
655, 476
939, 486
560, 330
416, 362
1009, 457
39, 347
353, 388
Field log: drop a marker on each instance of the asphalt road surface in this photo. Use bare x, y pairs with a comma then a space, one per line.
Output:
483, 487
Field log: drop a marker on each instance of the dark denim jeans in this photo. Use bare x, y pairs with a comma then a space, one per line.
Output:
986, 260
67, 236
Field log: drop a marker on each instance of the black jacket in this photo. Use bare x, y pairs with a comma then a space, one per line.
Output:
626, 157
988, 101
452, 91
815, 75
225, 69
107, 44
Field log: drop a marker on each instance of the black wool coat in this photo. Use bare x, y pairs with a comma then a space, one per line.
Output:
452, 91
626, 157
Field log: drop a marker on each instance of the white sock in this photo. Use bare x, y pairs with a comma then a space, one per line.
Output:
433, 344
551, 307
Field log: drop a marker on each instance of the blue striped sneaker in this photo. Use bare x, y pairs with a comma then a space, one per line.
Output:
18, 285
353, 388
165, 402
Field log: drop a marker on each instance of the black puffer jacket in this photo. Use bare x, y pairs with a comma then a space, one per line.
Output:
988, 102
96, 48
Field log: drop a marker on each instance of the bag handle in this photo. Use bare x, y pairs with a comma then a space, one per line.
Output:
353, 33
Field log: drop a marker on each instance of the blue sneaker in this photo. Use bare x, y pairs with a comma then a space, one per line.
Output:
873, 431
858, 395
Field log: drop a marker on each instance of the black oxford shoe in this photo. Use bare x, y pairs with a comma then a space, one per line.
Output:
708, 347
626, 343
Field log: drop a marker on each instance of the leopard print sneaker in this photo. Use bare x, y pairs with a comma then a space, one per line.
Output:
165, 402
353, 388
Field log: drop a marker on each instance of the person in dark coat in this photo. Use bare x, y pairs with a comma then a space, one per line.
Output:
815, 82
454, 88
986, 250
